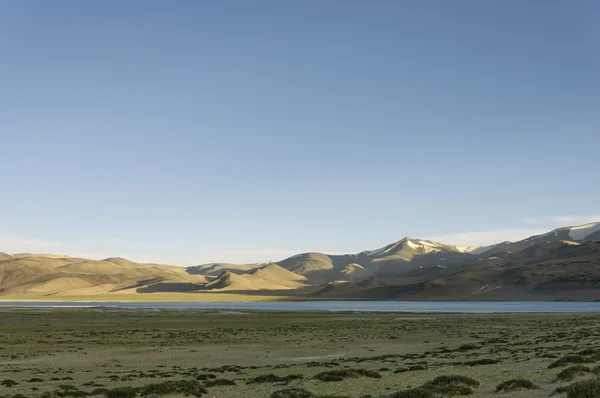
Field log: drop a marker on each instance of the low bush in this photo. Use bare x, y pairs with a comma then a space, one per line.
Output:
569, 360
184, 387
450, 390
467, 347
584, 389
206, 376
453, 379
413, 393
589, 351
219, 382
410, 369
293, 393
560, 390
451, 385
271, 378
339, 375
71, 393
483, 361
516, 385
121, 392
571, 372
332, 396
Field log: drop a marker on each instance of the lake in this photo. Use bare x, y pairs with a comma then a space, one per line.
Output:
363, 306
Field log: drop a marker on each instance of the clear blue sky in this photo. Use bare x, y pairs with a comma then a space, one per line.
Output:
197, 131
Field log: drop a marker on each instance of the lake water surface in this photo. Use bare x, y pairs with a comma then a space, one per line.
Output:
364, 306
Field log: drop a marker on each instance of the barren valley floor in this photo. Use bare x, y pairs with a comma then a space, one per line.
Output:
86, 351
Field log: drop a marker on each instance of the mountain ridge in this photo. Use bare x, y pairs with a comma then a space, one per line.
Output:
406, 268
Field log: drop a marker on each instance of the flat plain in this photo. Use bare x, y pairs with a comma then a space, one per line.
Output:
62, 352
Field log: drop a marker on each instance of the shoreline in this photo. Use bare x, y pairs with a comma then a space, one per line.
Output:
422, 307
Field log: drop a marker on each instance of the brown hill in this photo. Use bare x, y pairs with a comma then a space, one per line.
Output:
4, 256
270, 277
27, 274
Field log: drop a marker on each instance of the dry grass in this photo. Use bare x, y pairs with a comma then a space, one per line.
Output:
100, 350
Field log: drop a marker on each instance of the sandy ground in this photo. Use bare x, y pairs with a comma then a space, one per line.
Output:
107, 348
154, 297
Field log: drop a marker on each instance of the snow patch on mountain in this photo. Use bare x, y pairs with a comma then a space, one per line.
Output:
583, 231
424, 243
427, 246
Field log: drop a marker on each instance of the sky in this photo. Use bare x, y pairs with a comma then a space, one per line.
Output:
187, 132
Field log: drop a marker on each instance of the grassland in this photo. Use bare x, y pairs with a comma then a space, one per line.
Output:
157, 297
85, 352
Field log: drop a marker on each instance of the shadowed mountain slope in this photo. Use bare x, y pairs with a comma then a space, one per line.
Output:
548, 267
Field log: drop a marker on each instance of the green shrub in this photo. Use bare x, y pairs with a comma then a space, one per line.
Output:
300, 393
516, 385
332, 396
339, 375
568, 360
413, 393
467, 347
451, 385
596, 370
185, 387
571, 372
219, 382
121, 392
450, 390
453, 379
206, 376
8, 383
293, 393
410, 369
99, 391
584, 389
589, 351
483, 361
71, 393
560, 390
271, 378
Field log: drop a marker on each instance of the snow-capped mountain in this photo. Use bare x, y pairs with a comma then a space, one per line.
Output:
580, 233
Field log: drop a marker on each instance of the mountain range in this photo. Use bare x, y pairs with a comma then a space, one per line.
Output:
561, 264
